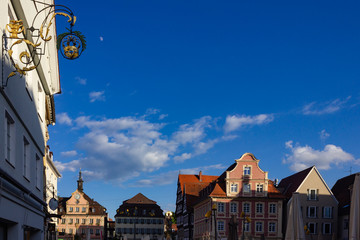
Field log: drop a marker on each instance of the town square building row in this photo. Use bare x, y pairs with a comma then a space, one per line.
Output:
243, 200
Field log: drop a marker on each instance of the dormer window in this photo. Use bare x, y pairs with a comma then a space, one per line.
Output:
234, 188
247, 171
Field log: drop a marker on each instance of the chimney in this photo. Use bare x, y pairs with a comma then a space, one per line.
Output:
200, 176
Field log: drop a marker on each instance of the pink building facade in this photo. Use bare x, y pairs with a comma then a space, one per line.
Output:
243, 192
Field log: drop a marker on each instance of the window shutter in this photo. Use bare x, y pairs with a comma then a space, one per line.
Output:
317, 194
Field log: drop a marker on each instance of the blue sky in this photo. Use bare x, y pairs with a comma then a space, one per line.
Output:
169, 86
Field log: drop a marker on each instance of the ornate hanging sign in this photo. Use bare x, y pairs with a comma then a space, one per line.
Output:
70, 44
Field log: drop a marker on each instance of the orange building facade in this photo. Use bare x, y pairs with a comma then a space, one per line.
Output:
81, 216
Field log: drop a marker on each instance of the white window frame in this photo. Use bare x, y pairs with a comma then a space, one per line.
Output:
259, 225
247, 170
310, 197
272, 227
221, 207
257, 208
315, 227
234, 187
26, 158
233, 207
83, 221
323, 228
272, 208
221, 226
83, 209
259, 188
247, 227
71, 209
246, 207
91, 221
326, 210
9, 146
246, 189
309, 211
77, 209
39, 172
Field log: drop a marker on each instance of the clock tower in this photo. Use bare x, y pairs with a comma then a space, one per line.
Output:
80, 182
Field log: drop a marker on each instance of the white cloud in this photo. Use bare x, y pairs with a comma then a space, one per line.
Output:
162, 116
97, 96
302, 157
63, 118
80, 80
72, 153
236, 122
182, 157
101, 38
324, 135
116, 149
315, 108
69, 166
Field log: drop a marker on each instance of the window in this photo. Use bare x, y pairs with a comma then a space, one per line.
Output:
97, 232
144, 212
259, 188
233, 207
77, 209
247, 226
26, 170
63, 221
91, 231
83, 209
221, 226
83, 230
93, 210
83, 221
259, 208
247, 171
70, 230
234, 188
9, 139
246, 187
326, 228
272, 227
312, 228
98, 221
327, 212
258, 227
221, 207
70, 220
71, 209
311, 212
272, 208
91, 221
246, 208
77, 221
312, 194
63, 230
38, 172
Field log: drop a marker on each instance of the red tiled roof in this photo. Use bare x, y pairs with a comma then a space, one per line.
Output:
139, 199
187, 178
291, 183
273, 192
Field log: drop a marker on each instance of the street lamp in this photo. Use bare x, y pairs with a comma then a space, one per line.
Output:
214, 209
245, 220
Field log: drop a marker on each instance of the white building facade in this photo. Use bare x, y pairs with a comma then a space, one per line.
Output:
26, 109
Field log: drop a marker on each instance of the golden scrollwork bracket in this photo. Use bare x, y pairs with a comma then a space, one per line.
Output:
14, 28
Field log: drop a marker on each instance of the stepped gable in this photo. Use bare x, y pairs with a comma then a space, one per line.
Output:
139, 199
291, 183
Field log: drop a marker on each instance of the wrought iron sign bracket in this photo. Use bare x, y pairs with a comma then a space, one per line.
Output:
71, 44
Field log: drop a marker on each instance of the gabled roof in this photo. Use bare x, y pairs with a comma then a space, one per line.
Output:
139, 199
99, 209
219, 190
291, 183
341, 190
